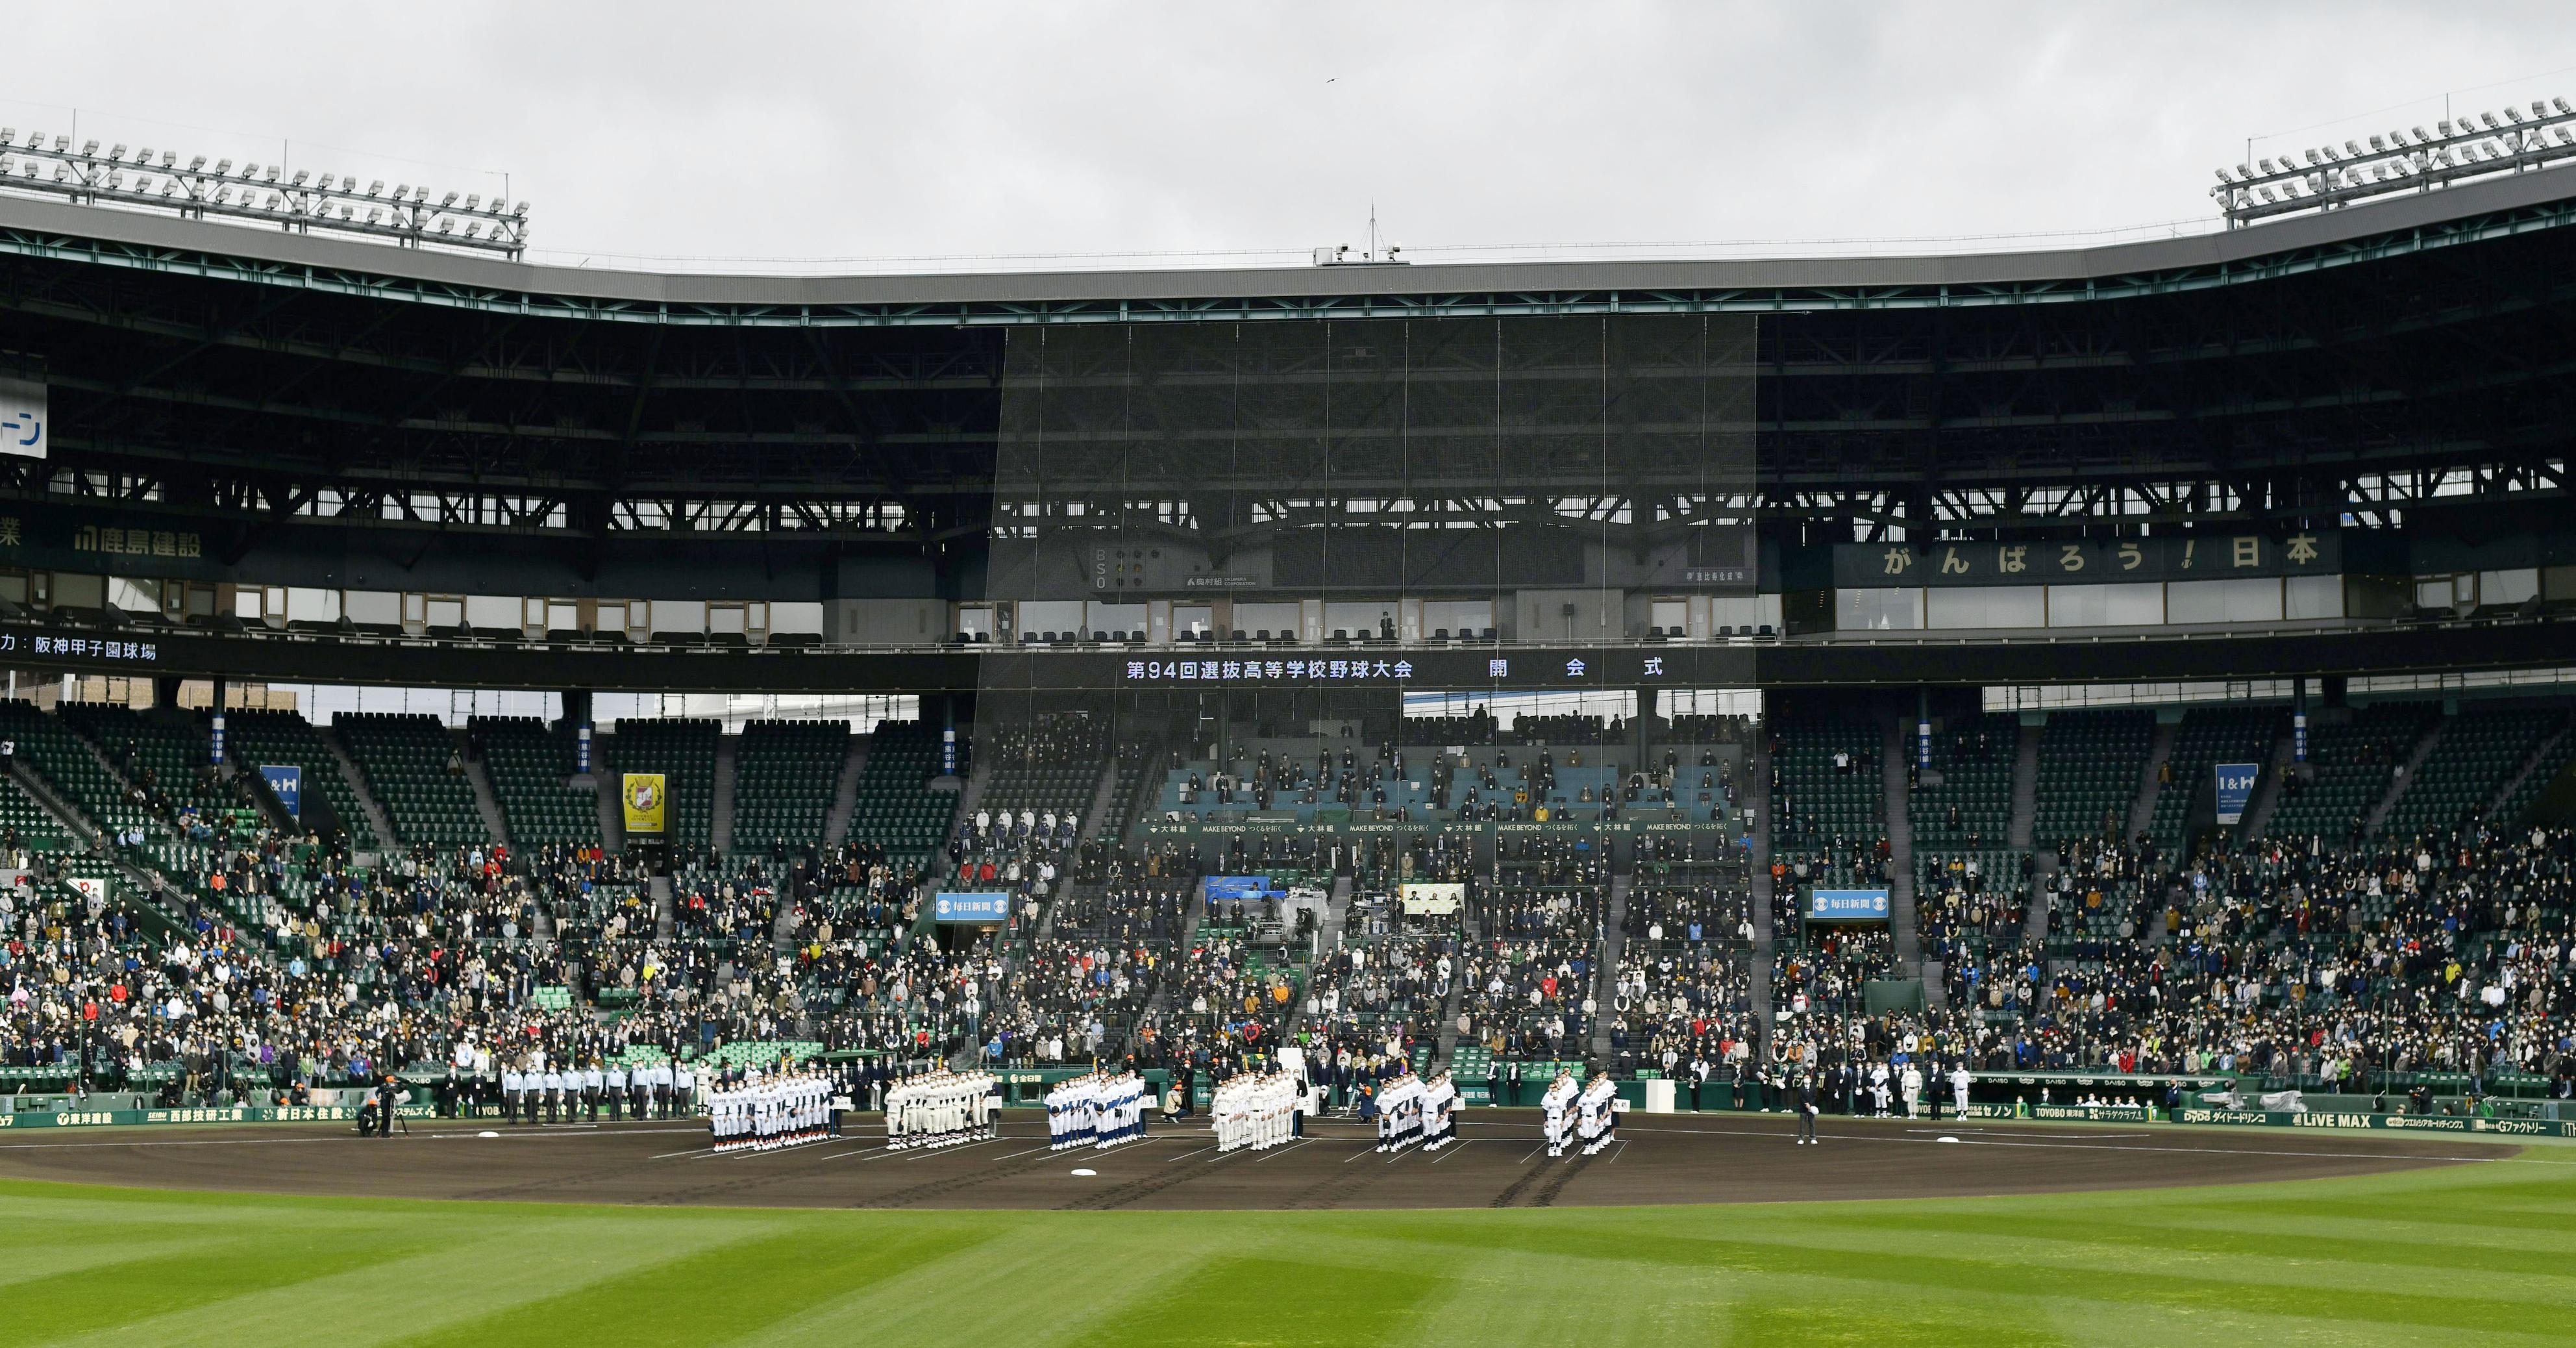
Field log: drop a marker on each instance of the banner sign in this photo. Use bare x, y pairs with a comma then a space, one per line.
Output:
2235, 789
963, 906
1433, 899
2112, 560
647, 803
1847, 905
286, 782
1239, 886
24, 429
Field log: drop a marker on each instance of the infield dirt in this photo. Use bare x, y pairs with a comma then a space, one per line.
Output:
1659, 1159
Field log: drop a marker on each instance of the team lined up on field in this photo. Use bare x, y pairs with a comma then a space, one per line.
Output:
775, 1110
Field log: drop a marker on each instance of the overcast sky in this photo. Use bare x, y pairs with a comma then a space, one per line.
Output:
643, 133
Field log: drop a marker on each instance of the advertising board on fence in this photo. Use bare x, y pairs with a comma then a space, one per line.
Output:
99, 1118
2063, 1113
2403, 1123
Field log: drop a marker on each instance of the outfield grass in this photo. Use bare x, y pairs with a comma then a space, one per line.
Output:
2465, 1254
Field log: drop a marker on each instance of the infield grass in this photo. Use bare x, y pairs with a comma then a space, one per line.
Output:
2464, 1254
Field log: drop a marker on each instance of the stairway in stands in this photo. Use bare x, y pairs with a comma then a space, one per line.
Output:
1765, 941
2017, 834
1905, 934
720, 804
845, 792
1614, 938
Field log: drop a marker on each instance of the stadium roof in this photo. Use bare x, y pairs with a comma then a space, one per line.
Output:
2486, 208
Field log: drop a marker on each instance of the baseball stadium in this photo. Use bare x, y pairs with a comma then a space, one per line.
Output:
554, 804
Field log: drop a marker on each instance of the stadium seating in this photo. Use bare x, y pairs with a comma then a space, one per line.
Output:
415, 770
66, 762
1533, 961
896, 809
1970, 808
1051, 766
254, 738
2552, 763
2091, 764
684, 752
167, 757
527, 764
784, 776
1828, 801
1962, 828
2353, 765
27, 822
1684, 982
2479, 751
2207, 737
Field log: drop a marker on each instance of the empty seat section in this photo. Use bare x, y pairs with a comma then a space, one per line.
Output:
784, 775
529, 765
896, 809
253, 738
2207, 737
2351, 766
2091, 764
416, 771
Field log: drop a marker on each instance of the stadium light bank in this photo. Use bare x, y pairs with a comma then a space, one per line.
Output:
2329, 177
302, 202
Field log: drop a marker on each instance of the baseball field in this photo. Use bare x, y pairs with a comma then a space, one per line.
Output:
2452, 1253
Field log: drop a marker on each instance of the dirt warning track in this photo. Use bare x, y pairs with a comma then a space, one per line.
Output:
1659, 1159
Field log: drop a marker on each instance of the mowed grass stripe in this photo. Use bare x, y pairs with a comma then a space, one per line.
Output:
1511, 1299
2461, 1210
1878, 1323
30, 1264
125, 1292
2164, 1242
2105, 1283
1030, 1281
714, 1296
1274, 1302
463, 1270
2394, 1259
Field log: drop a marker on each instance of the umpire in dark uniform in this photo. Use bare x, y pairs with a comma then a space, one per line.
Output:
1804, 1101
389, 1092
